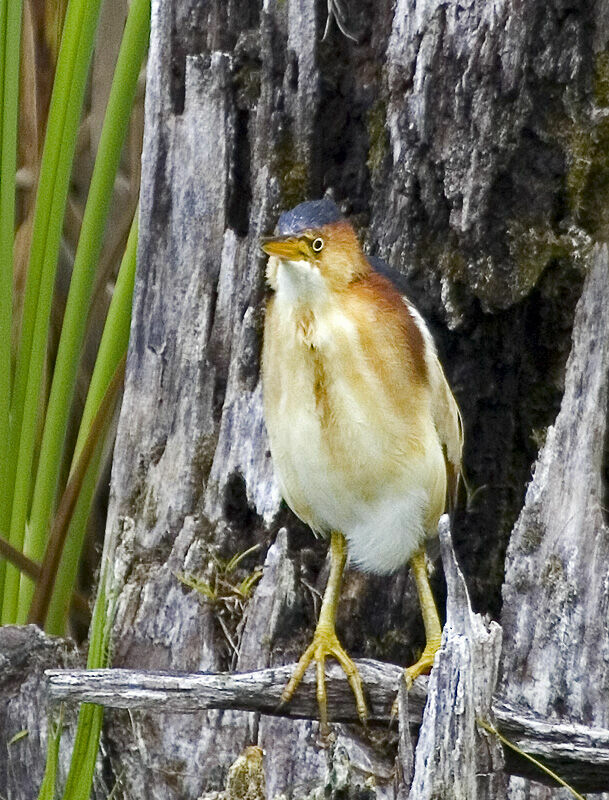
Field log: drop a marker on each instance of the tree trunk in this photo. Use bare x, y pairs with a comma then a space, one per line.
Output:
467, 141
556, 604
25, 654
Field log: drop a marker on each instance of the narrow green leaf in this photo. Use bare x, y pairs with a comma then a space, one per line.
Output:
112, 348
238, 557
90, 717
86, 744
10, 41
18, 736
3, 16
69, 499
60, 140
47, 787
31, 568
132, 52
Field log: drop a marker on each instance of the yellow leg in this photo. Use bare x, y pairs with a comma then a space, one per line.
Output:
431, 620
325, 642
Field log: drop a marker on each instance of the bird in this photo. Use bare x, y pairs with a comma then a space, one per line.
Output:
365, 435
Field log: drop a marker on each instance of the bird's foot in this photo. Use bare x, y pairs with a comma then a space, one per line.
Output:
421, 667
424, 664
325, 643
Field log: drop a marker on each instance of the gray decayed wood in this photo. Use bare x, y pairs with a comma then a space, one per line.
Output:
249, 691
581, 750
463, 80
556, 602
25, 654
404, 762
454, 758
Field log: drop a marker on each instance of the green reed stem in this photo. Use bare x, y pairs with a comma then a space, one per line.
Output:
131, 55
10, 40
64, 115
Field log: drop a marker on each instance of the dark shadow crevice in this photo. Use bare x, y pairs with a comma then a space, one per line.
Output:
240, 189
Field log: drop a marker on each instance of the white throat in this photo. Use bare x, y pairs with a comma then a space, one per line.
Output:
300, 283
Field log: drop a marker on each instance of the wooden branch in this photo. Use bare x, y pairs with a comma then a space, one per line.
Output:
247, 691
578, 753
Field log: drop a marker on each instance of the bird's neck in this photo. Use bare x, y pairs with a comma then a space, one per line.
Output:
301, 287
305, 307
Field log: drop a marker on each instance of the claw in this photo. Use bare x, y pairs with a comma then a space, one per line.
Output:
325, 643
423, 666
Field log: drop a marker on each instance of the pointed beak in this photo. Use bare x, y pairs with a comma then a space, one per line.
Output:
282, 246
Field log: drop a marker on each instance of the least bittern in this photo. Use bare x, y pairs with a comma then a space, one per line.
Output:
365, 434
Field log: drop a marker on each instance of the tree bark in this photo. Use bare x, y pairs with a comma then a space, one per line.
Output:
455, 757
556, 608
25, 718
467, 141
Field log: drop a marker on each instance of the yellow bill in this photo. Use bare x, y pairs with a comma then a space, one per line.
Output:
282, 246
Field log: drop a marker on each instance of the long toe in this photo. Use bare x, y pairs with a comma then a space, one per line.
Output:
422, 667
297, 675
355, 681
325, 644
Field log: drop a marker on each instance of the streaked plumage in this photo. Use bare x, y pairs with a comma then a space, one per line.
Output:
357, 407
365, 434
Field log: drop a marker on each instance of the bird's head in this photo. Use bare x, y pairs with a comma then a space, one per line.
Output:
315, 249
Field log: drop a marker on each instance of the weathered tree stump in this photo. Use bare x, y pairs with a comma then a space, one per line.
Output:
468, 142
25, 654
556, 603
455, 135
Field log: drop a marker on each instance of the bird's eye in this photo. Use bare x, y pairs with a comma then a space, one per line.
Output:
317, 244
